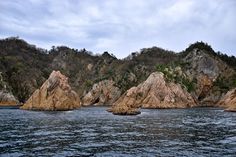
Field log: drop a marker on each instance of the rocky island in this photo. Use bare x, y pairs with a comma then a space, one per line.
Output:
54, 95
155, 93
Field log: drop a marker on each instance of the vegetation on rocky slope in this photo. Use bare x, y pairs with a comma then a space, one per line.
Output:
230, 60
174, 73
25, 67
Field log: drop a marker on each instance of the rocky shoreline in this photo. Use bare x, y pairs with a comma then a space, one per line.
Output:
66, 79
156, 93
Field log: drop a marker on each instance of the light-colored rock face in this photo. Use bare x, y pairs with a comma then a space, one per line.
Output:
54, 94
7, 99
102, 93
89, 67
201, 62
155, 92
205, 69
229, 101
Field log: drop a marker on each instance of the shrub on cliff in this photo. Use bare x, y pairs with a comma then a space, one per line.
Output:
175, 74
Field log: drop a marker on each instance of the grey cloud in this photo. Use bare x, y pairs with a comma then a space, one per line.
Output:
121, 26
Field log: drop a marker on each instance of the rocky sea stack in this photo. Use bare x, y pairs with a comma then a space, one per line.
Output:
229, 101
155, 92
55, 94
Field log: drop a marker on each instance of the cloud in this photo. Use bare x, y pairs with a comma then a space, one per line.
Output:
121, 26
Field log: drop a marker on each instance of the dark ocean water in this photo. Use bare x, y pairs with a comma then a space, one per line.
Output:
95, 132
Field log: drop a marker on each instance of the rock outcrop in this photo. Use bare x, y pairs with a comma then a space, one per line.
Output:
6, 96
54, 94
102, 93
201, 62
7, 99
205, 69
155, 92
229, 101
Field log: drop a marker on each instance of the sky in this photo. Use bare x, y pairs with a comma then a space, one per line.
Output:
121, 26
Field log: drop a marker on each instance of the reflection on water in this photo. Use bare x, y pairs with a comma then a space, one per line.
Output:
93, 131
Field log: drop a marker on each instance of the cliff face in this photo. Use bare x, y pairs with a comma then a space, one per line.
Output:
155, 92
54, 94
102, 93
206, 69
229, 101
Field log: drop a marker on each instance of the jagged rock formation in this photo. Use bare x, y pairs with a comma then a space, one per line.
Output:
54, 94
206, 74
7, 99
103, 93
155, 92
229, 101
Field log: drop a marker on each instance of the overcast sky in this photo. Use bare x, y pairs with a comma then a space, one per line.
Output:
121, 26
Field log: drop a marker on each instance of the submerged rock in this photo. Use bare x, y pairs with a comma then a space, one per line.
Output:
102, 93
54, 94
124, 110
155, 92
229, 101
7, 99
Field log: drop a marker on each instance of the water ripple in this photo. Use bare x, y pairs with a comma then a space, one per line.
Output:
95, 132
